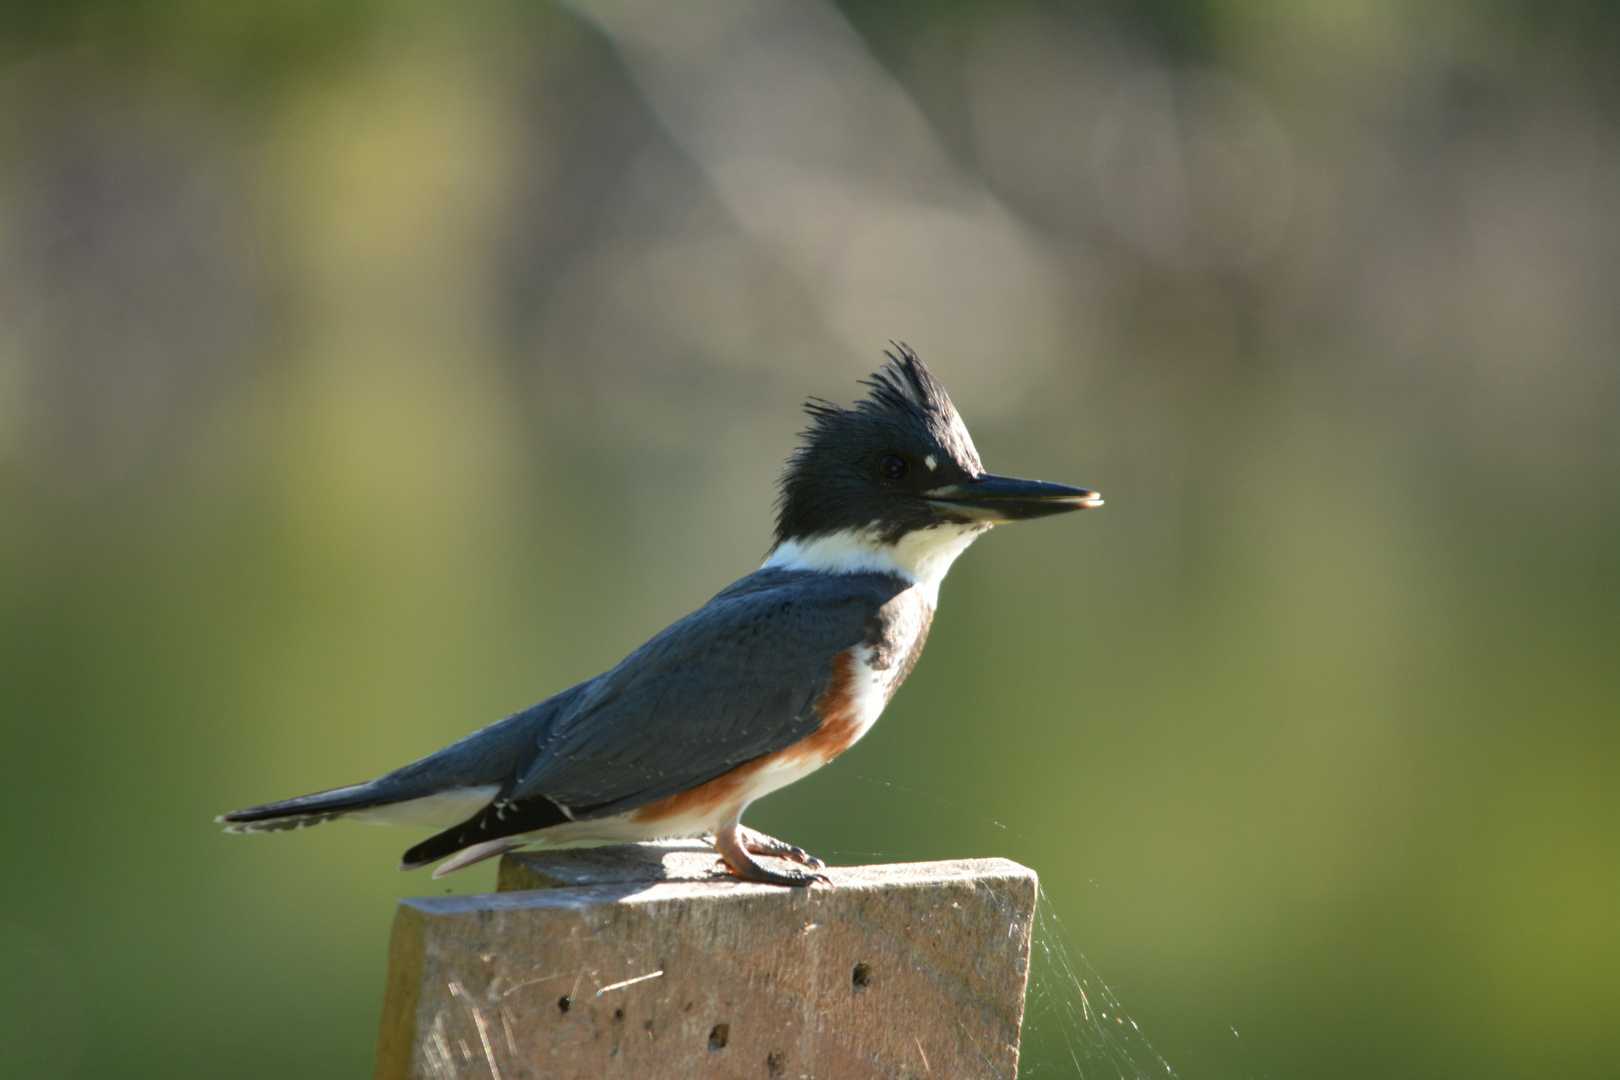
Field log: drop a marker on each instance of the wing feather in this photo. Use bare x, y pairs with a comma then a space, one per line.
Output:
733, 681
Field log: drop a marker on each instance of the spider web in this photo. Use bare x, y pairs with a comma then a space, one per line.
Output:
1072, 1020
1074, 1025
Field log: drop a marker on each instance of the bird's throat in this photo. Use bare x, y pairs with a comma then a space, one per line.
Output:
922, 556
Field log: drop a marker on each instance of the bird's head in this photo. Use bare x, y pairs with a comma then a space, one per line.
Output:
898, 472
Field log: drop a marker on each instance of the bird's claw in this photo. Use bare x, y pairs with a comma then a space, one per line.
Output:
799, 877
758, 843
737, 846
766, 876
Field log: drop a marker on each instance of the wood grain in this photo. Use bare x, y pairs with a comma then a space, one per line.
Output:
636, 962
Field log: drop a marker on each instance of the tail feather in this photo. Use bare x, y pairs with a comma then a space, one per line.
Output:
470, 855
303, 811
493, 823
436, 791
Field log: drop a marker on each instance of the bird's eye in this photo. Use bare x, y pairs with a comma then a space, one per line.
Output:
892, 466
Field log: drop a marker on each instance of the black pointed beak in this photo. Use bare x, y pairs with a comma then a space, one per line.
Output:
1006, 498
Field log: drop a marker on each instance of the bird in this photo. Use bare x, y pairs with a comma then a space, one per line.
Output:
774, 677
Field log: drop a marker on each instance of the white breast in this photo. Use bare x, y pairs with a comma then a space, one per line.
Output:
872, 689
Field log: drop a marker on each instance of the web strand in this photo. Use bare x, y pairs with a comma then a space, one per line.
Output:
1074, 1025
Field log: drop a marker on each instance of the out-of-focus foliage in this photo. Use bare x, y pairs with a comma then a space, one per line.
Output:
369, 370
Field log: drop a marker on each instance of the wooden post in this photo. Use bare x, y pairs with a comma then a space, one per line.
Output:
638, 962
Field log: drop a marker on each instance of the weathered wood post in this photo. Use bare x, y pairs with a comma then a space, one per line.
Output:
637, 962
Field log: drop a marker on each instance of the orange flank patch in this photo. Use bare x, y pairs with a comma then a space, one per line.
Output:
838, 729
706, 800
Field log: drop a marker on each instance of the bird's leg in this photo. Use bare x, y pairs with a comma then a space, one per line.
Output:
759, 844
732, 842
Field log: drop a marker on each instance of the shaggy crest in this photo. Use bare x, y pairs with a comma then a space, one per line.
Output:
907, 412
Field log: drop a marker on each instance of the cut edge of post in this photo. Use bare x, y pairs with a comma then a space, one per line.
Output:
396, 1034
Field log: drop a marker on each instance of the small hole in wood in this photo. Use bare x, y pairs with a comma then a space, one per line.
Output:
719, 1037
618, 1014
565, 1003
861, 978
776, 1063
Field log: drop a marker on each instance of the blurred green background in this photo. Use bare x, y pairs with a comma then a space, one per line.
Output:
370, 370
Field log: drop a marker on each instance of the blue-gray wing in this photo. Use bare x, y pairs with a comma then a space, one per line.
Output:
735, 680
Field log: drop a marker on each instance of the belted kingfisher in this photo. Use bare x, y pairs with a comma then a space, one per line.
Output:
770, 680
